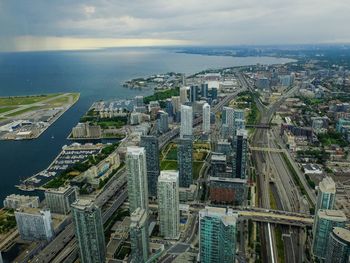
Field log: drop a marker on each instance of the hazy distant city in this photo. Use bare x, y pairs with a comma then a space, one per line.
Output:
161, 145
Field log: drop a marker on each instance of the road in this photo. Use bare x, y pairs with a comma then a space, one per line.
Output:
62, 240
272, 168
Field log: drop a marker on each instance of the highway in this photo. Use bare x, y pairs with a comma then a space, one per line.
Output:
59, 246
271, 168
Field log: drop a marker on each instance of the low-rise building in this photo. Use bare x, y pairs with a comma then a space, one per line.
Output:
16, 201
227, 190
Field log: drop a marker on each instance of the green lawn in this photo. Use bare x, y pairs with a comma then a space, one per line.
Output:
196, 167
25, 100
172, 154
168, 165
5, 109
23, 111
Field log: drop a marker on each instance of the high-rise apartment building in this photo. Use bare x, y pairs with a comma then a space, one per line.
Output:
206, 118
240, 150
217, 235
162, 122
324, 222
139, 237
168, 204
59, 200
326, 194
186, 121
89, 232
338, 250
184, 159
150, 143
194, 93
183, 95
137, 178
34, 224
204, 90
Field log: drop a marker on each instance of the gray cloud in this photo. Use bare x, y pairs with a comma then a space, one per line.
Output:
221, 22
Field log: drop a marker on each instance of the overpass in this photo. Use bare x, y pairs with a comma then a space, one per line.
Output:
259, 126
280, 219
266, 149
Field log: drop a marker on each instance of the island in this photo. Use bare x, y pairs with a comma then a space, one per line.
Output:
27, 117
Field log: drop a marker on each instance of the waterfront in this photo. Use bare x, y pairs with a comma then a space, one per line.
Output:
96, 75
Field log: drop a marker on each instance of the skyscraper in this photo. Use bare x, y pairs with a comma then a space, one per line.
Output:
184, 159
186, 121
206, 118
139, 236
150, 143
204, 90
240, 148
89, 231
168, 204
338, 250
162, 122
194, 93
34, 224
183, 95
325, 194
217, 235
228, 118
324, 222
137, 178
59, 200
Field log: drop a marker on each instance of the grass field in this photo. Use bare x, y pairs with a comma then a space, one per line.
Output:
196, 168
16, 101
6, 109
13, 103
168, 165
23, 111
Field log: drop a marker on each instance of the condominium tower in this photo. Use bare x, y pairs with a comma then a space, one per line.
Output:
137, 178
206, 118
139, 236
89, 231
186, 121
150, 143
168, 204
217, 235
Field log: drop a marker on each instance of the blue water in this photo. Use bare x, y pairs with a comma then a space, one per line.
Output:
96, 75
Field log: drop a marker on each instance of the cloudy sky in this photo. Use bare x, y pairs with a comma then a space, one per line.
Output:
75, 24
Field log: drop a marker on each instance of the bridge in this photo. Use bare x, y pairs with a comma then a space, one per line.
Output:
266, 149
259, 126
280, 219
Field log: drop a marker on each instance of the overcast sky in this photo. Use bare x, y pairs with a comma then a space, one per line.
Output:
75, 24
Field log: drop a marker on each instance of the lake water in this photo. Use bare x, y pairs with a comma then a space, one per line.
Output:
96, 75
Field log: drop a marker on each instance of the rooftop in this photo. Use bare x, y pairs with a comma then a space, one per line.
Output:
227, 215
336, 215
83, 204
135, 150
342, 233
168, 176
327, 185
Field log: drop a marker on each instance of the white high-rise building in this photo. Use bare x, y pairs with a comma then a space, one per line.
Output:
137, 178
34, 224
206, 118
326, 194
183, 95
186, 121
168, 204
